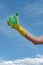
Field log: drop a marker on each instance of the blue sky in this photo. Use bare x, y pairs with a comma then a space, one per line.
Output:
12, 45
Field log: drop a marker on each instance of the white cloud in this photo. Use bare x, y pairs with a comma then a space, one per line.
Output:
39, 56
25, 61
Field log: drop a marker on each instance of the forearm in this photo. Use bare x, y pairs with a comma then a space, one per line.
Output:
31, 38
13, 22
22, 30
27, 35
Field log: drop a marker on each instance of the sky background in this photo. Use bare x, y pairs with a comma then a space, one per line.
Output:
14, 46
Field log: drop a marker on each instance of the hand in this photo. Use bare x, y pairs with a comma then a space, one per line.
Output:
13, 21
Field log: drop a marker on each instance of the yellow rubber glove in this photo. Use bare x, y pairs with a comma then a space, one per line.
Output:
21, 30
13, 22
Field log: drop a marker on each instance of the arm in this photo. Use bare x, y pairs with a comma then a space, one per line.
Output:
29, 36
33, 39
13, 22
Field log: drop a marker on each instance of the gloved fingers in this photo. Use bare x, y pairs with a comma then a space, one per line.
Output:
8, 23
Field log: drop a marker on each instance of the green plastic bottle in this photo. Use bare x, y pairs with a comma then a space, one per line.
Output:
13, 20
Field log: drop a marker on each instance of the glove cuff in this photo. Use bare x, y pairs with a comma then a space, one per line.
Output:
21, 30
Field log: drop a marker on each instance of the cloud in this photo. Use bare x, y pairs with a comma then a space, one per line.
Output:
25, 61
39, 56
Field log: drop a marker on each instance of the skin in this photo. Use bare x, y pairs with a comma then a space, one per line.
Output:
30, 37
33, 39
